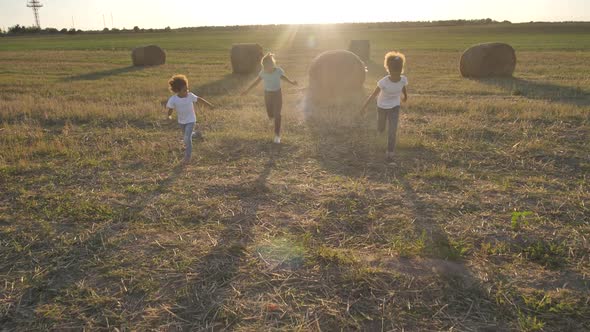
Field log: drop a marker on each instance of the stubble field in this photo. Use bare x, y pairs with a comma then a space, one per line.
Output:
481, 224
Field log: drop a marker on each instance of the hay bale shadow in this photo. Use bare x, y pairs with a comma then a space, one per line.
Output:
228, 84
540, 90
97, 75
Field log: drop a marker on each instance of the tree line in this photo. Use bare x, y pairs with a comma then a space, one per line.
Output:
22, 30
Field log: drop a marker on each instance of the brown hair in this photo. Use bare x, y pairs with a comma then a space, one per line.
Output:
177, 82
394, 62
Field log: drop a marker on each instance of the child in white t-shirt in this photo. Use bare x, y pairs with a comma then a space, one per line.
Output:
182, 102
272, 75
389, 92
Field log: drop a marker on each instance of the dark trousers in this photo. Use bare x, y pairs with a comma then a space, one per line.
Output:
391, 118
274, 105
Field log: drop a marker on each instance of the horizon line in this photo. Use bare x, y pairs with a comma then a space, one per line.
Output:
331, 23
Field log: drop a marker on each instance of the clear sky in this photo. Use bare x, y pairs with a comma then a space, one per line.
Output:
88, 14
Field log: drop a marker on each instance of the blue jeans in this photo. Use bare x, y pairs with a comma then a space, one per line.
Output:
187, 136
391, 118
274, 104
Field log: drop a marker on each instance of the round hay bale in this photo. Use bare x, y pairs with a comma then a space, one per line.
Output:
362, 48
245, 58
335, 77
151, 55
488, 60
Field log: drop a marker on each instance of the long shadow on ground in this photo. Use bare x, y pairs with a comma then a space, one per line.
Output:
210, 288
97, 75
228, 84
540, 90
345, 152
72, 267
467, 302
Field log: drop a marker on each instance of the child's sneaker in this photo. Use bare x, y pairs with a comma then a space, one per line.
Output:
277, 140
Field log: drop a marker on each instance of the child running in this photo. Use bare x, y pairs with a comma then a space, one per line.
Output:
182, 102
273, 97
390, 90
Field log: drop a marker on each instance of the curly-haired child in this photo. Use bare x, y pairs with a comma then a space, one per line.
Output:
390, 92
183, 102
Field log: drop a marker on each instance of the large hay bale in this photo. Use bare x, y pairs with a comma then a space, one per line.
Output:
362, 48
488, 60
336, 76
245, 58
151, 55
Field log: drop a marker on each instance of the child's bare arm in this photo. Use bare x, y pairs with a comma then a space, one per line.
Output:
204, 101
284, 77
405, 93
170, 110
255, 83
371, 97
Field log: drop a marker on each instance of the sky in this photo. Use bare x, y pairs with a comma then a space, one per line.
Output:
88, 14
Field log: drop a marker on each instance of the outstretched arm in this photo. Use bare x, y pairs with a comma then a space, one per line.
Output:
405, 93
255, 83
204, 101
371, 97
170, 110
285, 78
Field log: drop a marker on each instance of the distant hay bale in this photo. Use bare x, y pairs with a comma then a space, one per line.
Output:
151, 55
488, 60
245, 58
362, 48
335, 77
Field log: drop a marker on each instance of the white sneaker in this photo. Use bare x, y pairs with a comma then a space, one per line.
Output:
277, 140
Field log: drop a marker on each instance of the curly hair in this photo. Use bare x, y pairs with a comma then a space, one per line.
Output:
177, 82
394, 62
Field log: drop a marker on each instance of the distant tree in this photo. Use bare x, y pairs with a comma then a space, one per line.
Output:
105, 30
506, 22
23, 29
51, 30
64, 30
16, 29
32, 30
136, 28
115, 30
167, 29
72, 31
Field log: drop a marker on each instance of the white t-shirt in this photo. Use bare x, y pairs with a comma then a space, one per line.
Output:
390, 95
184, 107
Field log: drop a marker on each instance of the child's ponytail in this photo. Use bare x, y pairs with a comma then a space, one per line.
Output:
269, 58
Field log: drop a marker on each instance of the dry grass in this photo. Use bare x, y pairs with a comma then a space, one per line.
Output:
482, 224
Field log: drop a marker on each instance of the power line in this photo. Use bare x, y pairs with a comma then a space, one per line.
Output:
35, 4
